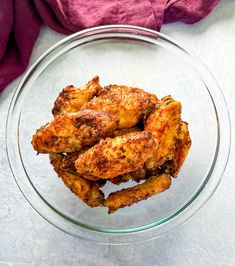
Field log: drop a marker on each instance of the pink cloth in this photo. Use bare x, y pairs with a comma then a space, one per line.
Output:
20, 22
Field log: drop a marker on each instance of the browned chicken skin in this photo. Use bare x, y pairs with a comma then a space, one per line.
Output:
170, 131
67, 161
128, 105
72, 99
67, 164
87, 190
180, 151
128, 196
116, 156
72, 132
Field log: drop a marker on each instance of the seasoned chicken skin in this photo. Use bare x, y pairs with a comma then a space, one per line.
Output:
128, 196
72, 132
123, 131
116, 156
67, 163
72, 99
169, 130
180, 151
87, 190
136, 176
128, 105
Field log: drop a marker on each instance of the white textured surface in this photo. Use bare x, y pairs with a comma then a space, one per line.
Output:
208, 239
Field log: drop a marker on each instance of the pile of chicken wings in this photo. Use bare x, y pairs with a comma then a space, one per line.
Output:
114, 134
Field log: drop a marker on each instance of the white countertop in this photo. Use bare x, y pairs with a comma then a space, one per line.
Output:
207, 239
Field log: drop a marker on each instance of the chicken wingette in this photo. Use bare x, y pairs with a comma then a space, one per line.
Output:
67, 164
128, 105
87, 190
179, 152
72, 99
71, 132
169, 130
128, 196
116, 156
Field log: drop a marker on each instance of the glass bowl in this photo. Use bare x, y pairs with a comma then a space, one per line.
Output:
131, 56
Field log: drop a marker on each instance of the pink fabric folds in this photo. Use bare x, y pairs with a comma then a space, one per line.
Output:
20, 22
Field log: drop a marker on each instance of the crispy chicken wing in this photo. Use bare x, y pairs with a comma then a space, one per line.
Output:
74, 131
167, 127
67, 163
163, 123
128, 196
126, 104
71, 99
87, 190
116, 156
180, 151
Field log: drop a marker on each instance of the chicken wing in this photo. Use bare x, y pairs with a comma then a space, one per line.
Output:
126, 104
67, 164
180, 151
163, 123
88, 191
116, 156
72, 132
128, 196
173, 137
71, 99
